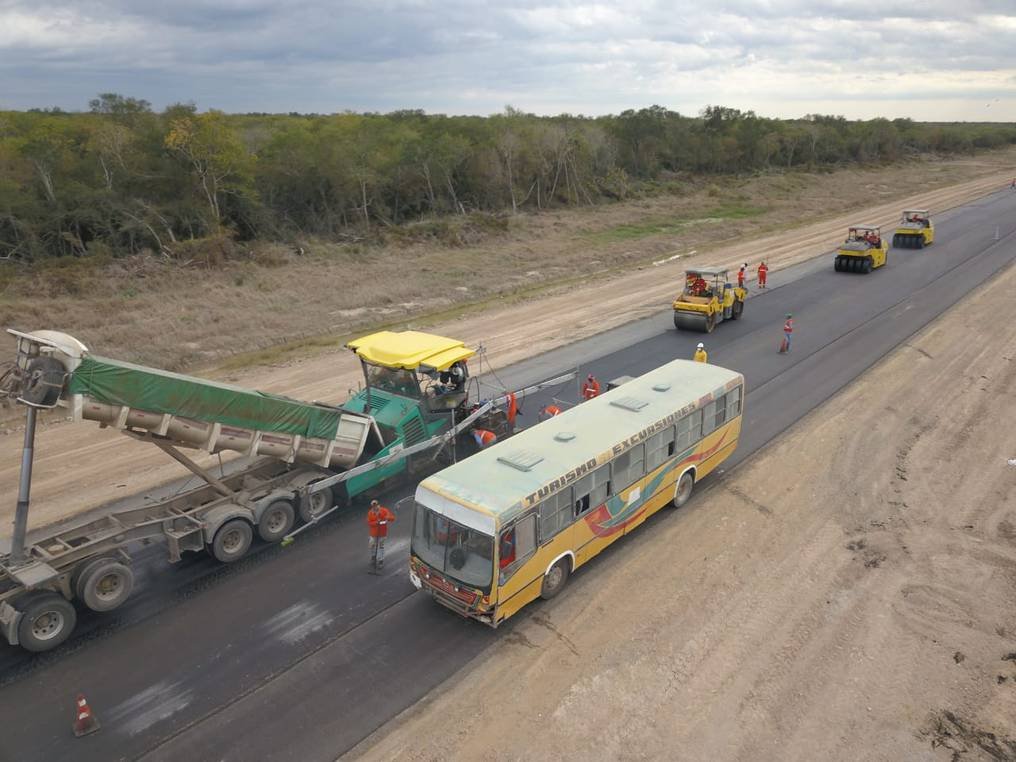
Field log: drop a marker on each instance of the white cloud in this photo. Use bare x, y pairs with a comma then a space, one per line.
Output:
860, 58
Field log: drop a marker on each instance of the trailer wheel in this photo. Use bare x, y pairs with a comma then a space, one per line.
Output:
232, 541
47, 620
276, 521
316, 503
105, 584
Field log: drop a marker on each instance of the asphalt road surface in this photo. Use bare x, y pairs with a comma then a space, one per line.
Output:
299, 653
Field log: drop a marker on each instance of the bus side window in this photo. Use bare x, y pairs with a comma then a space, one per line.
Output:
734, 403
517, 545
721, 412
628, 466
709, 418
659, 448
555, 514
591, 490
689, 429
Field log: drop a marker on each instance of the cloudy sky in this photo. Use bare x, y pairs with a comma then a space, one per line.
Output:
925, 59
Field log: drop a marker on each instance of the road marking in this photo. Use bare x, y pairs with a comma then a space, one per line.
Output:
149, 707
294, 624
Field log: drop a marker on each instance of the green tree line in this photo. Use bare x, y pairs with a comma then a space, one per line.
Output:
122, 178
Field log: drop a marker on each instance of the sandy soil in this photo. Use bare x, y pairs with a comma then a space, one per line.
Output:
847, 594
80, 466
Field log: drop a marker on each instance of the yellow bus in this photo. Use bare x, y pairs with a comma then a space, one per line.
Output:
512, 523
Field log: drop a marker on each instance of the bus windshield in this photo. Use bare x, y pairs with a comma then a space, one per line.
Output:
458, 552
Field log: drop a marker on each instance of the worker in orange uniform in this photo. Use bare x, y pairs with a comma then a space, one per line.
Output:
700, 353
591, 388
549, 412
484, 438
741, 275
763, 271
378, 519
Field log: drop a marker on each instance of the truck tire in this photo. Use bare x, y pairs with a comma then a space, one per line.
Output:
685, 486
555, 579
276, 521
232, 541
105, 584
44, 380
316, 503
47, 620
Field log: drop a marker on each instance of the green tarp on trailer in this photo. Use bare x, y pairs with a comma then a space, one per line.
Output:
121, 383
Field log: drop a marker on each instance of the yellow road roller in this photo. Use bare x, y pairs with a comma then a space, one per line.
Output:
915, 231
707, 299
863, 251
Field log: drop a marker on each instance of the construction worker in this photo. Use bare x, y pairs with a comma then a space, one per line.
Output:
763, 271
741, 275
700, 353
484, 438
378, 519
788, 331
591, 388
549, 412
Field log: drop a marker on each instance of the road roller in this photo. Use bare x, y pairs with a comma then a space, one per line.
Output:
863, 251
707, 299
915, 231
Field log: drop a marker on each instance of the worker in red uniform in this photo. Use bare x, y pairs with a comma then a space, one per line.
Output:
699, 286
484, 438
378, 519
591, 388
763, 271
740, 275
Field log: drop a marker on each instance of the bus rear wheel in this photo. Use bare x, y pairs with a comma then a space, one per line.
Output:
685, 486
555, 579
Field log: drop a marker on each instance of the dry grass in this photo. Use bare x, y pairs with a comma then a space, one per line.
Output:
256, 304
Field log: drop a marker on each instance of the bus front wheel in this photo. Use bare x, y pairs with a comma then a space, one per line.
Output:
685, 486
555, 579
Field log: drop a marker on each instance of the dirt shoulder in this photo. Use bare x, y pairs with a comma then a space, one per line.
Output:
80, 466
846, 594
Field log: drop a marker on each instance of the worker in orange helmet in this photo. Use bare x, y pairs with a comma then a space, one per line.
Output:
484, 438
591, 388
550, 411
378, 519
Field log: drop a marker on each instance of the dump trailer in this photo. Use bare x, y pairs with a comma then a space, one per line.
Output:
863, 250
915, 231
300, 460
707, 299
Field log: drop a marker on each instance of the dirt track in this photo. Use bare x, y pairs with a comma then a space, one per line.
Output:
847, 594
80, 466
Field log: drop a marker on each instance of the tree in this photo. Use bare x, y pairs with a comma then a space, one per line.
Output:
215, 155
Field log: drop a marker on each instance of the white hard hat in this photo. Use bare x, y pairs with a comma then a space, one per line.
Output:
701, 345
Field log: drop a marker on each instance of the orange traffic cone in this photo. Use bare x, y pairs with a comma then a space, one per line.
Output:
85, 722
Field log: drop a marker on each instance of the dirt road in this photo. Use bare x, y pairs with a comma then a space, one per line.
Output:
847, 594
80, 466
